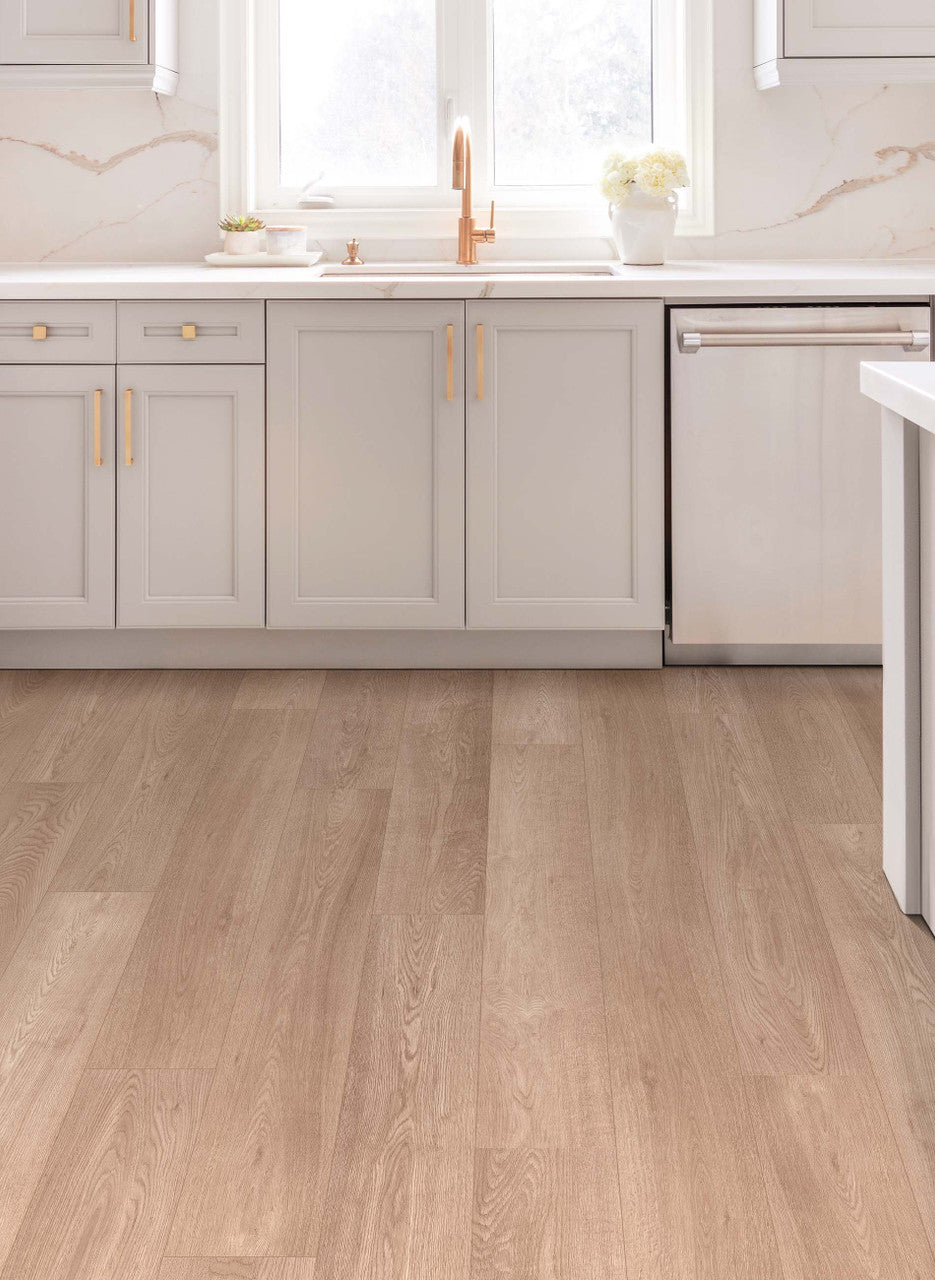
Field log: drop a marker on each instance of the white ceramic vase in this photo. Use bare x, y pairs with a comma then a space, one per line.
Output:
242, 241
643, 228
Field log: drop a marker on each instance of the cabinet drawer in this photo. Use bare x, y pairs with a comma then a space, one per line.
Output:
57, 333
190, 332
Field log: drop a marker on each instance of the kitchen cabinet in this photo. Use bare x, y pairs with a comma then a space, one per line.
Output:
190, 496
775, 472
365, 438
95, 43
843, 41
57, 496
565, 465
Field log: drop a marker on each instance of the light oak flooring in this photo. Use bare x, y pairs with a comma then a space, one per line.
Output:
457, 976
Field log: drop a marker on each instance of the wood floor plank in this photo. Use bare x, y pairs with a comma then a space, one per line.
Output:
840, 1199
544, 1075
693, 1196
53, 997
822, 774
790, 1009
400, 1198
704, 689
237, 1269
174, 1001
541, 1215
358, 724
436, 841
279, 691
859, 693
54, 786
888, 961
258, 1179
124, 843
27, 700
105, 1200
535, 707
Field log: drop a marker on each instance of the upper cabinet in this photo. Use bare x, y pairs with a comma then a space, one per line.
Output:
844, 42
55, 44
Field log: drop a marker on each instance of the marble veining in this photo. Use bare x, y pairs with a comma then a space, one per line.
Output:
801, 172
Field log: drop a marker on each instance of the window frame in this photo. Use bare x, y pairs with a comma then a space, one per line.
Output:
249, 122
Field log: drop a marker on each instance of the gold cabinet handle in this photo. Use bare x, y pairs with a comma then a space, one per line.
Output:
480, 362
128, 427
133, 21
450, 379
189, 332
98, 397
39, 333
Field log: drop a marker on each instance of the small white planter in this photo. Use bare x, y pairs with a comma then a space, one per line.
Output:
242, 241
643, 228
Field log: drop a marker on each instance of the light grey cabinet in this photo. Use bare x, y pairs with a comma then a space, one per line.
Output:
91, 43
565, 443
843, 42
57, 474
365, 480
190, 496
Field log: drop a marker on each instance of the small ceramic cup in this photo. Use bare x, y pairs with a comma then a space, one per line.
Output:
283, 240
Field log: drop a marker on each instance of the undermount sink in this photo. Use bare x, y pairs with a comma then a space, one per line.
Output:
395, 270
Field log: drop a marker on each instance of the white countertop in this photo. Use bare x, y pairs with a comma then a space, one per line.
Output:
880, 279
906, 388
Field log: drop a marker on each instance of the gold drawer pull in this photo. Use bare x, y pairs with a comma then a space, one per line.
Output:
189, 332
133, 21
128, 427
480, 362
98, 460
450, 380
39, 333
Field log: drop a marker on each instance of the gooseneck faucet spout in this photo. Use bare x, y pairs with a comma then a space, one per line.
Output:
461, 177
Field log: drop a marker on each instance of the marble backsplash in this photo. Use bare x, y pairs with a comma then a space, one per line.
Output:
800, 172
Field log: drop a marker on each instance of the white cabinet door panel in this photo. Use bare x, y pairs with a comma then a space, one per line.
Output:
565, 465
56, 505
74, 31
366, 458
859, 29
190, 507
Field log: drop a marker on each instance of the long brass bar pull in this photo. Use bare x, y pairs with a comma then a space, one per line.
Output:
480, 362
450, 368
128, 427
98, 397
133, 21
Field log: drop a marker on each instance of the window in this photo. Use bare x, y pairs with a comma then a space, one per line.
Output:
358, 101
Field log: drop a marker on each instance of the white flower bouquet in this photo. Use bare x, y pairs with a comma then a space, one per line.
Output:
656, 171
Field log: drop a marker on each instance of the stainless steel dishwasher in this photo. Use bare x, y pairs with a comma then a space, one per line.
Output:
775, 480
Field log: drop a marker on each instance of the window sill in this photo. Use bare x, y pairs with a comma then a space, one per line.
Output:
441, 224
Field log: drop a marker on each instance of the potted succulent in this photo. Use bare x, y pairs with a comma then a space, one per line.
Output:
640, 187
241, 235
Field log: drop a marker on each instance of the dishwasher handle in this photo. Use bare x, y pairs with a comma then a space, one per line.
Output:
909, 339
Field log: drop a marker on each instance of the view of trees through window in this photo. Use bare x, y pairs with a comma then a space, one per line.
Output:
569, 80
360, 100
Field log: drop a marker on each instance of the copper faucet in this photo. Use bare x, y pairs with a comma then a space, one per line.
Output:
468, 237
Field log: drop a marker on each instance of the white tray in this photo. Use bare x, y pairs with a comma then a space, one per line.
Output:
262, 259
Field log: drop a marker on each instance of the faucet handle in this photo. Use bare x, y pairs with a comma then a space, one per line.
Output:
488, 235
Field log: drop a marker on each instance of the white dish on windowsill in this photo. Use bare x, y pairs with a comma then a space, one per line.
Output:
263, 259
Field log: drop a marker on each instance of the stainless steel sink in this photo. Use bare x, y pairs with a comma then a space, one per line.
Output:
401, 270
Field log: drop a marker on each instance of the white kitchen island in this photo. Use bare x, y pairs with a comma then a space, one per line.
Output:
907, 396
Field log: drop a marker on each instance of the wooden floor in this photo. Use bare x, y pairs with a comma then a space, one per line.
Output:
453, 975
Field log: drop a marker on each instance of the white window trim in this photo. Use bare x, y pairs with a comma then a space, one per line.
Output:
682, 56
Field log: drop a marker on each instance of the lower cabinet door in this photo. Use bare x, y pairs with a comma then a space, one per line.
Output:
366, 464
565, 445
190, 496
57, 496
